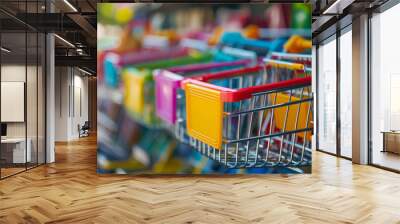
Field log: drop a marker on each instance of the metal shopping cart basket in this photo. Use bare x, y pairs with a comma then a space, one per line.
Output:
170, 105
240, 119
170, 98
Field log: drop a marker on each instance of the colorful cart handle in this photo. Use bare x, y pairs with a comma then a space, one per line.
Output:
230, 54
282, 32
236, 39
144, 56
155, 41
113, 62
297, 44
194, 44
305, 59
284, 64
207, 66
192, 58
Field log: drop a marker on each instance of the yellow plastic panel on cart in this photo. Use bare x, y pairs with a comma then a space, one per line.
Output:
204, 110
280, 114
133, 92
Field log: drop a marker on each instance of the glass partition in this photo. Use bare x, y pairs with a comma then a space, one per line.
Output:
385, 89
15, 150
327, 96
346, 93
22, 77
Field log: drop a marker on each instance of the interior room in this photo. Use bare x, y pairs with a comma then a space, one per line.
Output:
53, 120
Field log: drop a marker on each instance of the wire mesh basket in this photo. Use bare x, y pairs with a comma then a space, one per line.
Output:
244, 119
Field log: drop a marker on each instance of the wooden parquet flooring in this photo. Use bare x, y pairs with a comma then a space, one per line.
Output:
70, 191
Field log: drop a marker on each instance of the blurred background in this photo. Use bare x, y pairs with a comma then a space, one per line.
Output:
127, 144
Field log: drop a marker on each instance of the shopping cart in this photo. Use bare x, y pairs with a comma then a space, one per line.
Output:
139, 86
170, 106
284, 69
242, 120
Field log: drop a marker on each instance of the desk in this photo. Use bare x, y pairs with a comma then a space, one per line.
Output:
391, 141
16, 147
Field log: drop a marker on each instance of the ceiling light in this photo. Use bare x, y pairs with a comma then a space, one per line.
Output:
65, 41
337, 7
326, 11
5, 50
70, 5
84, 71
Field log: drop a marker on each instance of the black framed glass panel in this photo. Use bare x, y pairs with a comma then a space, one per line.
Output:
345, 93
15, 149
327, 95
385, 89
22, 77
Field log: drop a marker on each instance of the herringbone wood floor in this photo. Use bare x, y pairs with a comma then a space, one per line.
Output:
70, 191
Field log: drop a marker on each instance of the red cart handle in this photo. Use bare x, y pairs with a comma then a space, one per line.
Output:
229, 73
246, 93
235, 95
238, 72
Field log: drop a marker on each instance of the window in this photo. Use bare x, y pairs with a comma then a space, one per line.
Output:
385, 88
346, 93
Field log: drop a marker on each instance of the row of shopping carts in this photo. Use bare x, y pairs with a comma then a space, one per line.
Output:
228, 103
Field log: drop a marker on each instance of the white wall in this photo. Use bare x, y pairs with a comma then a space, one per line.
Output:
12, 73
61, 103
33, 127
71, 93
